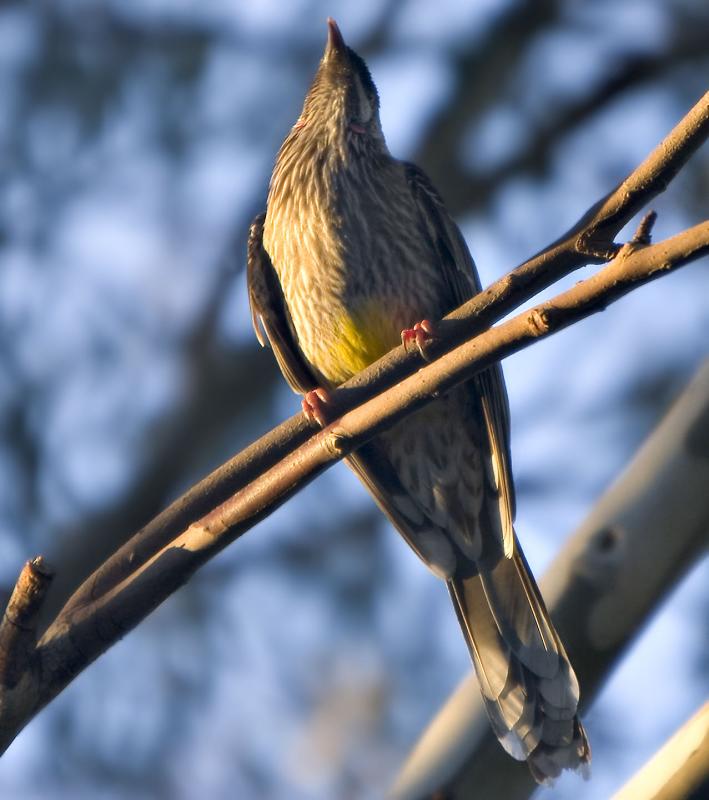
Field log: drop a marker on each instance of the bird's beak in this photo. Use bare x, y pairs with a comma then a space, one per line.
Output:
336, 46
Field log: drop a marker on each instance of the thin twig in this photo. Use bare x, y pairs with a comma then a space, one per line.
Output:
643, 235
469, 190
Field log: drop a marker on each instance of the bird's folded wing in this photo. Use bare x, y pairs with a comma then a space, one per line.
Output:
270, 315
457, 265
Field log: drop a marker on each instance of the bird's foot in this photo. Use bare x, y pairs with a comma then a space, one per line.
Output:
314, 406
421, 333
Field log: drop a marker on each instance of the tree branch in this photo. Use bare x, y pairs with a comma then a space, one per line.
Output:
679, 769
598, 226
166, 553
468, 190
19, 623
478, 73
601, 589
19, 662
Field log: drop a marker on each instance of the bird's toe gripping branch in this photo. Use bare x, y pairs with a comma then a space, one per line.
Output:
419, 335
315, 404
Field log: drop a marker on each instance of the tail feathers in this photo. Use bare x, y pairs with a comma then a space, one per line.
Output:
528, 686
520, 615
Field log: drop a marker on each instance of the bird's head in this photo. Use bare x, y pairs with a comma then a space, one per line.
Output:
342, 105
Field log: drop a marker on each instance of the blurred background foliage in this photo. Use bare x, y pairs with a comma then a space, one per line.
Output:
136, 143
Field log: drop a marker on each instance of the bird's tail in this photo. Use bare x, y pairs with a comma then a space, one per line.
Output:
528, 685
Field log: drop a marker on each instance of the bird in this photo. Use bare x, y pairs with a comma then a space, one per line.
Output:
354, 253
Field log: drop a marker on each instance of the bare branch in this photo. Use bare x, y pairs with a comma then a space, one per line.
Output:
466, 190
643, 235
478, 73
601, 589
82, 631
19, 662
19, 623
161, 557
679, 768
599, 225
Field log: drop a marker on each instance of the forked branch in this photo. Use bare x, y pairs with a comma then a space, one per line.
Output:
163, 555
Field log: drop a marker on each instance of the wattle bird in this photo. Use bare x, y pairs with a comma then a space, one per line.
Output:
354, 251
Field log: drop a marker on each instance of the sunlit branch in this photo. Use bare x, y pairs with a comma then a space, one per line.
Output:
161, 557
680, 769
591, 236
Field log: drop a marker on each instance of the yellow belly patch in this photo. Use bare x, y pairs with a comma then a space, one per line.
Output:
361, 338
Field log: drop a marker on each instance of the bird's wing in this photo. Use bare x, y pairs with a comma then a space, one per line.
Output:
528, 685
456, 263
270, 315
455, 260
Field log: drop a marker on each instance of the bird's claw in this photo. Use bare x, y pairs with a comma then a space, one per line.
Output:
314, 406
421, 333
